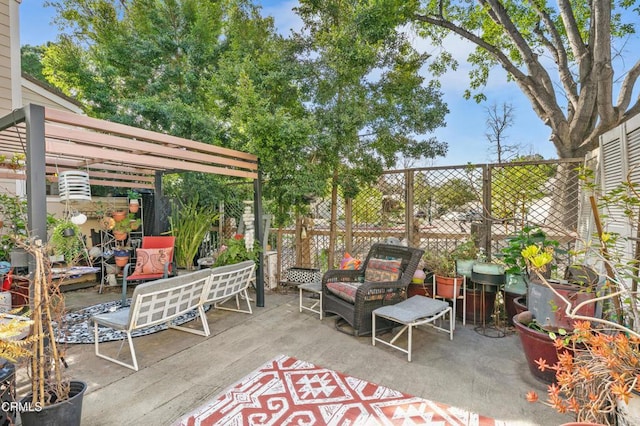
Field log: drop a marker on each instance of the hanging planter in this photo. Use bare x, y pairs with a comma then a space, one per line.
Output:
134, 206
73, 185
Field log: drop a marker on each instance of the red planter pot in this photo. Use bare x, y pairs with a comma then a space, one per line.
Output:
536, 345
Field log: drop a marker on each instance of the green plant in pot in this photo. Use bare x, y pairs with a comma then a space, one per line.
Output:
447, 282
66, 240
465, 255
121, 230
134, 200
54, 399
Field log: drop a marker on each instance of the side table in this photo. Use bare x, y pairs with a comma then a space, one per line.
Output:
314, 288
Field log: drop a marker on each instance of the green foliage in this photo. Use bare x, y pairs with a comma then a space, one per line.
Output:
13, 213
189, 224
453, 194
71, 247
367, 206
367, 96
528, 236
516, 187
234, 250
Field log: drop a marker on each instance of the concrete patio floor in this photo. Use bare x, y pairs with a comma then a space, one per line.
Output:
180, 371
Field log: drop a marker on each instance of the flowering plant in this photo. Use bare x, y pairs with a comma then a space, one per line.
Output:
600, 369
235, 251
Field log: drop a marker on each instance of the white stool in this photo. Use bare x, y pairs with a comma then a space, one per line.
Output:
416, 310
315, 288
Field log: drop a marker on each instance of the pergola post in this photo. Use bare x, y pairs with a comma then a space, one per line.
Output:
257, 208
36, 175
158, 202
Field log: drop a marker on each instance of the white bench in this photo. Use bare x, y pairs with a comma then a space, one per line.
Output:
230, 281
161, 301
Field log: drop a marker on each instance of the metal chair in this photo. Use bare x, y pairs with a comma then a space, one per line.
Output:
150, 242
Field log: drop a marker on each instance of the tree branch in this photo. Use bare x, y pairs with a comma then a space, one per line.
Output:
559, 52
601, 20
626, 89
580, 51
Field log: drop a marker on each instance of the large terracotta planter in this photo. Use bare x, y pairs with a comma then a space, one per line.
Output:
445, 286
536, 344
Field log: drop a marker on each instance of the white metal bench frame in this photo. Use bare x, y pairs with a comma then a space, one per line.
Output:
230, 281
157, 302
413, 319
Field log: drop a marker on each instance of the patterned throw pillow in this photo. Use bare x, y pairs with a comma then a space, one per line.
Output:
382, 270
152, 261
349, 262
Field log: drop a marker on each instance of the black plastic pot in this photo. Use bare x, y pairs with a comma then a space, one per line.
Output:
63, 413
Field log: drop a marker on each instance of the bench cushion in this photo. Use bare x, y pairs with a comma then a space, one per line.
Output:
117, 320
412, 309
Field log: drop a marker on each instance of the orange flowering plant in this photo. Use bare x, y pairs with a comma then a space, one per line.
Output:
601, 369
598, 364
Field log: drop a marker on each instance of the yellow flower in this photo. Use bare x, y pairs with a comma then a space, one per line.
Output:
530, 251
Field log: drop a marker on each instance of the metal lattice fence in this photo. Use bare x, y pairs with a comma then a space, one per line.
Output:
437, 209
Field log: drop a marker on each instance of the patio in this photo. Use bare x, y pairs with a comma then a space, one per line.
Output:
180, 371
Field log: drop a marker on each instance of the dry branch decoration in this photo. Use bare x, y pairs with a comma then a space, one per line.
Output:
48, 383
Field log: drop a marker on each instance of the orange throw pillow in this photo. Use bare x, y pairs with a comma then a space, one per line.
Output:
152, 261
349, 262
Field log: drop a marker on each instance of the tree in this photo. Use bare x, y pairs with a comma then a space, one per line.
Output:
205, 70
498, 122
573, 93
365, 92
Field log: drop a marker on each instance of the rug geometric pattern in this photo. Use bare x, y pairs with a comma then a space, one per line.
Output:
78, 328
287, 391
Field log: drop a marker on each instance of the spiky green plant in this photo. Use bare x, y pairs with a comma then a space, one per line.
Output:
189, 224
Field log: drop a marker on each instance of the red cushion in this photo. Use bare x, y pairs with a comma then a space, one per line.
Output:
152, 261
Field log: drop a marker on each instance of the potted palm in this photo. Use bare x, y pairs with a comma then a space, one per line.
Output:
54, 398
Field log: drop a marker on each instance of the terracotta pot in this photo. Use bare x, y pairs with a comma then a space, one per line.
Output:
520, 304
445, 285
119, 215
134, 225
510, 305
134, 206
119, 235
419, 289
121, 260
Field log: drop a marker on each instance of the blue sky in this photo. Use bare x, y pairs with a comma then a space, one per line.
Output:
466, 128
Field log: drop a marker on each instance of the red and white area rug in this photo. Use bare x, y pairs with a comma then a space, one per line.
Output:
287, 391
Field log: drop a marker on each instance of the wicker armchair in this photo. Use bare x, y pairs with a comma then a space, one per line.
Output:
369, 295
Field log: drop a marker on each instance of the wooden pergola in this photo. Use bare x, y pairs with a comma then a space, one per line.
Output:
113, 155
